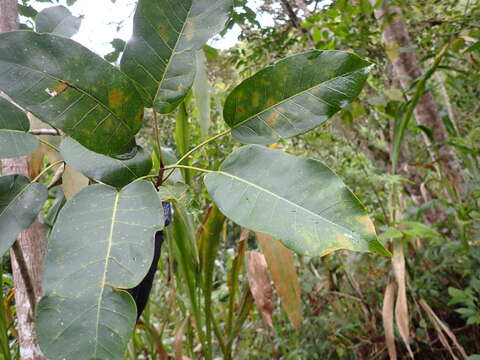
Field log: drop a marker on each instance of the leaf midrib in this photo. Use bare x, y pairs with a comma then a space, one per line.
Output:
174, 52
15, 198
80, 90
293, 96
105, 269
282, 199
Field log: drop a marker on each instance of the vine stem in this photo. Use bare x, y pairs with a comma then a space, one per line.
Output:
46, 169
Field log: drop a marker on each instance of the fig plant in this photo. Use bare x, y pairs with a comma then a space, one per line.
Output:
102, 240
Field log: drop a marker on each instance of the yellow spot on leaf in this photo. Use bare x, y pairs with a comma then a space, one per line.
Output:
368, 224
255, 99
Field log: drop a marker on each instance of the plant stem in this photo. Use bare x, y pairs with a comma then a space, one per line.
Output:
46, 169
50, 145
190, 152
27, 280
202, 144
187, 167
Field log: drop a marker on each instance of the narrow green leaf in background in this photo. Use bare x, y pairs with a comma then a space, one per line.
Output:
160, 56
474, 47
14, 138
294, 95
57, 20
201, 93
108, 170
103, 241
20, 203
67, 86
297, 200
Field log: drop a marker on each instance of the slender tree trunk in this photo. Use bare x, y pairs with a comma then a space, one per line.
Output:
30, 243
302, 5
407, 69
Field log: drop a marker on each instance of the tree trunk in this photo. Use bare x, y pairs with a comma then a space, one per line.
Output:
30, 243
407, 69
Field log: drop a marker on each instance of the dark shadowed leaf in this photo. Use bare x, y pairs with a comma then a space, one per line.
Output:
294, 95
299, 201
14, 138
161, 54
57, 20
20, 203
102, 241
69, 87
57, 205
108, 170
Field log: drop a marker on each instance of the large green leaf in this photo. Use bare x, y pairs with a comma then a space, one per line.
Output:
294, 95
103, 241
14, 125
20, 203
299, 201
108, 170
57, 20
161, 54
69, 87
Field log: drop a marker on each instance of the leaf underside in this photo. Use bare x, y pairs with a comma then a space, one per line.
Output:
160, 56
294, 95
69, 87
102, 241
20, 203
299, 201
108, 170
57, 20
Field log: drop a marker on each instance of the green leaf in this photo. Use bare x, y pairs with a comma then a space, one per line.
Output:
299, 201
103, 241
14, 138
161, 54
69, 87
294, 95
173, 192
107, 170
57, 205
201, 92
391, 233
20, 203
474, 47
57, 20
416, 229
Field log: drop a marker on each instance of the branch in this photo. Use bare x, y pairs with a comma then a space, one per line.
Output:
27, 280
53, 132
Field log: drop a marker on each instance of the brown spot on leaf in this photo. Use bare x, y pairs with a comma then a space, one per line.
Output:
272, 119
115, 98
270, 102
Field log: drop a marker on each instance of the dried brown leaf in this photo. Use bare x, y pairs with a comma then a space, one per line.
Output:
260, 285
387, 317
280, 262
